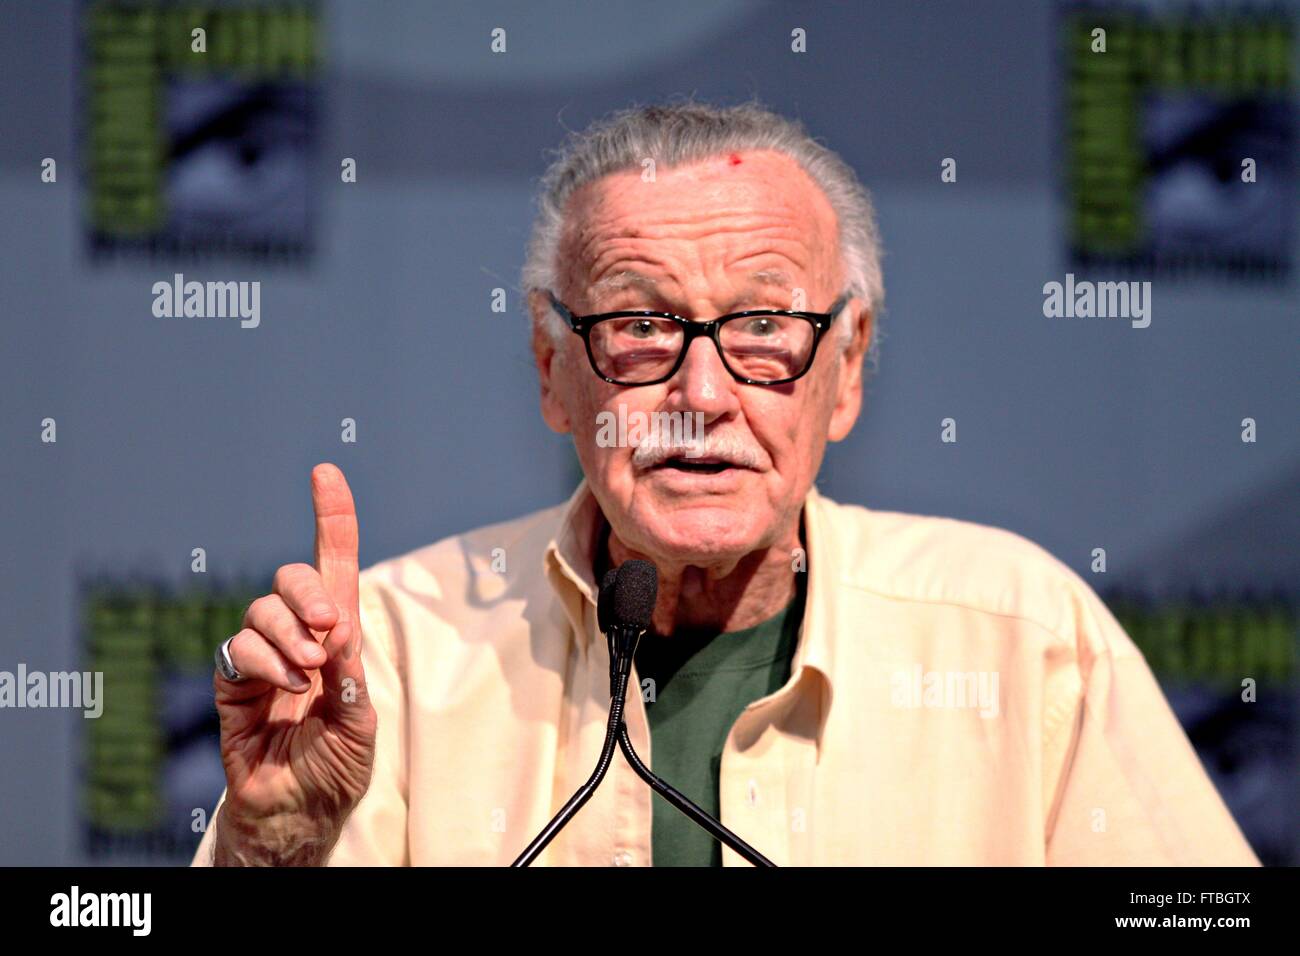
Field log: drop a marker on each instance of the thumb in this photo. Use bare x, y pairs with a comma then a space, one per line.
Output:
343, 676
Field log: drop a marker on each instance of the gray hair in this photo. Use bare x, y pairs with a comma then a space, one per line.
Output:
683, 133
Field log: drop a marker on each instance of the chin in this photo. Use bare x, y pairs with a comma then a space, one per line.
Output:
702, 532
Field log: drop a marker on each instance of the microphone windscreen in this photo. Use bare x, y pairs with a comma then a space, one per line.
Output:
635, 591
605, 601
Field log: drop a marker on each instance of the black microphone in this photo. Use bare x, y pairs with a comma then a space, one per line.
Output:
626, 608
631, 607
634, 600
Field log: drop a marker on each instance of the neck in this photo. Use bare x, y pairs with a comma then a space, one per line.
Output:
729, 596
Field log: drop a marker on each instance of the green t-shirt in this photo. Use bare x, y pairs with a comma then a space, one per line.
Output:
702, 683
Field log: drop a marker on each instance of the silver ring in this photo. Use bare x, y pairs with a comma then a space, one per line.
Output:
225, 666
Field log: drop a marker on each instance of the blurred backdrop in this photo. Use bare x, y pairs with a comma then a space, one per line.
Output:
155, 470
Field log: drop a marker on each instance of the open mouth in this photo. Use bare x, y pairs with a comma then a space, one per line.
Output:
697, 466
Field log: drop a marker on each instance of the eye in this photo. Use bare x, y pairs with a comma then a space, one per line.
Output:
637, 330
761, 326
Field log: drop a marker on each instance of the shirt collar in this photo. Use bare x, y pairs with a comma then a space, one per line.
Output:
570, 558
571, 553
816, 649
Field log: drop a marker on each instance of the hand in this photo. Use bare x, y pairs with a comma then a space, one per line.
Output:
298, 735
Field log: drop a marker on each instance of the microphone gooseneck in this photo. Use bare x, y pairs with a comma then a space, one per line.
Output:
683, 803
623, 609
634, 599
583, 794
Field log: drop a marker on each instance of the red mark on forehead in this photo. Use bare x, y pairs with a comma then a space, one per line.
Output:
734, 159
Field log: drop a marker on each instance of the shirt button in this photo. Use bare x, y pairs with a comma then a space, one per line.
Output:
753, 793
622, 858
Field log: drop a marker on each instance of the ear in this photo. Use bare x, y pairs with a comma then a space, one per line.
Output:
546, 357
848, 400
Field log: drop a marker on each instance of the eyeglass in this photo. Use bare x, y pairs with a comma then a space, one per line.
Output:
758, 346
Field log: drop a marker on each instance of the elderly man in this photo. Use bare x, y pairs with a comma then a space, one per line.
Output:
837, 685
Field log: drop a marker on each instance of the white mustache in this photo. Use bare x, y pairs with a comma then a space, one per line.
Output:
724, 446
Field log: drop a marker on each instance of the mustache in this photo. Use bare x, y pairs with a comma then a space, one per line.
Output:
725, 446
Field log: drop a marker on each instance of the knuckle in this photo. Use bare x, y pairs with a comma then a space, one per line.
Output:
258, 609
307, 591
282, 622
287, 575
311, 593
240, 647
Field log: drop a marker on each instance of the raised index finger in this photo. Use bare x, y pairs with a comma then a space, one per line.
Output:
336, 535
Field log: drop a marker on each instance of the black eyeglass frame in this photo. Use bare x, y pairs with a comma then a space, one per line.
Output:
582, 325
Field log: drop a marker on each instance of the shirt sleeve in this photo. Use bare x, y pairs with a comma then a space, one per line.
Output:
1129, 788
375, 833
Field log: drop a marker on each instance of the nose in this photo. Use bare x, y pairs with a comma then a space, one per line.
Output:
703, 384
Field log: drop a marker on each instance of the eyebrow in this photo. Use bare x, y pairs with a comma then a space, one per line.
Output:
630, 278
619, 281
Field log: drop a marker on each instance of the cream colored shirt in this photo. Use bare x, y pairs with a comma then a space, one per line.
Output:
958, 697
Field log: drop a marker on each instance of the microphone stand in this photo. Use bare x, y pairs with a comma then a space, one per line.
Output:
623, 639
618, 697
683, 803
621, 663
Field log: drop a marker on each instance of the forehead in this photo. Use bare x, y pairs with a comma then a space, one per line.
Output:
612, 282
755, 209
